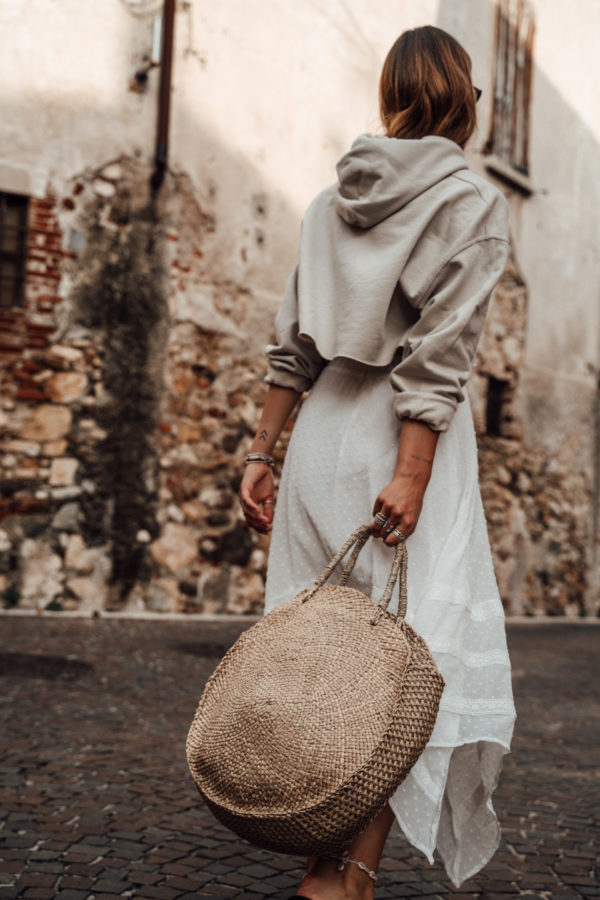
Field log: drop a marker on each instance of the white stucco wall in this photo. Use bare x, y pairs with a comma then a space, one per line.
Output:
558, 228
267, 98
65, 68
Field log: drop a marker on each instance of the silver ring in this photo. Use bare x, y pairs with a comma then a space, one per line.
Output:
398, 534
381, 520
267, 501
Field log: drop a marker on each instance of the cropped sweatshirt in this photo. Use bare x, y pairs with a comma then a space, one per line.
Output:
397, 264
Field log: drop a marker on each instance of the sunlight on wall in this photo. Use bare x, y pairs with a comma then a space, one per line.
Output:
290, 93
64, 84
566, 51
270, 104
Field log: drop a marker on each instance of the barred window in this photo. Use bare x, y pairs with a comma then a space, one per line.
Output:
508, 141
13, 243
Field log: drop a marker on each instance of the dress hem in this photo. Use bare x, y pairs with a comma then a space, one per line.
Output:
429, 851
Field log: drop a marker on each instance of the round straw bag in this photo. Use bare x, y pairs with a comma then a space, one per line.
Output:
315, 715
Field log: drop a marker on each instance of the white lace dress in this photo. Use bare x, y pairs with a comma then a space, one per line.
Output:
341, 454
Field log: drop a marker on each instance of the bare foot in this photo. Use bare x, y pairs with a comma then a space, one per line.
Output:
323, 881
310, 861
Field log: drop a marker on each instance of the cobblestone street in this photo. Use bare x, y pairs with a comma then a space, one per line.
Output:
97, 801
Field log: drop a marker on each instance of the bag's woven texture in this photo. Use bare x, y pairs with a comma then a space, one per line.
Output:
315, 715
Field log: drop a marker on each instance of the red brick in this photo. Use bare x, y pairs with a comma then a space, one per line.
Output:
30, 365
29, 464
20, 505
40, 226
38, 332
15, 318
48, 234
28, 390
43, 203
45, 226
43, 220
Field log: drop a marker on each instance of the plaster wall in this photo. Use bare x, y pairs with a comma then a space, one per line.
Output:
267, 99
264, 107
558, 228
64, 76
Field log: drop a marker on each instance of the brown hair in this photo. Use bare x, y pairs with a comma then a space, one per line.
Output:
426, 88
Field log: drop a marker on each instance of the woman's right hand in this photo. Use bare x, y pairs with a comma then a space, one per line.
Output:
256, 496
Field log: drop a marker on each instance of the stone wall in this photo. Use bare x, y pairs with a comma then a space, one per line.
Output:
538, 504
131, 389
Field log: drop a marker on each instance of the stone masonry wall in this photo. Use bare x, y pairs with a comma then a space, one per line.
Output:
130, 390
538, 505
129, 395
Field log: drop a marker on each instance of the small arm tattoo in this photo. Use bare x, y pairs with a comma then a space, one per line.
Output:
421, 458
263, 435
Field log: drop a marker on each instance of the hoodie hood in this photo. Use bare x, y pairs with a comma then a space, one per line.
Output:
379, 175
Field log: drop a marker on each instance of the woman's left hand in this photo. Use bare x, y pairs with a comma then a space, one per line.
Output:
400, 503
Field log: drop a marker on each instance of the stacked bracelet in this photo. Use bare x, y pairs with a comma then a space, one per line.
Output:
260, 457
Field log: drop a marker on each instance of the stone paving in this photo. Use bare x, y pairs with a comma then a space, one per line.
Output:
97, 801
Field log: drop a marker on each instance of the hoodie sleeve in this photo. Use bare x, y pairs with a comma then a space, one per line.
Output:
294, 362
440, 347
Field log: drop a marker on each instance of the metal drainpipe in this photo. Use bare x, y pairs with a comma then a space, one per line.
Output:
596, 494
164, 96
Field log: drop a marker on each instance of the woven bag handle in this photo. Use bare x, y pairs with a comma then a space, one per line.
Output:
349, 567
358, 539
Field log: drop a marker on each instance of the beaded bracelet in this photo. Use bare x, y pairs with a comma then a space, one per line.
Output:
260, 457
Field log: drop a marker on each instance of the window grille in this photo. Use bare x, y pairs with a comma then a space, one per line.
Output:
508, 141
13, 243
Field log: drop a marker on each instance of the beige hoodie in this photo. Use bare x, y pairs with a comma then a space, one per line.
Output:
397, 260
